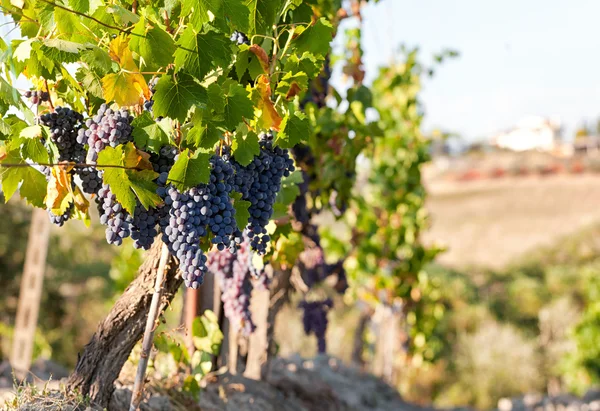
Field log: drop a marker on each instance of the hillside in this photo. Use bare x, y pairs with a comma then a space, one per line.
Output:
490, 222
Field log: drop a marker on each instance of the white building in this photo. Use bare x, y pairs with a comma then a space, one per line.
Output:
531, 133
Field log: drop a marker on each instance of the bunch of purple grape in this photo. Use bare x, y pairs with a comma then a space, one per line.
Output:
259, 183
107, 128
36, 96
64, 125
234, 273
314, 319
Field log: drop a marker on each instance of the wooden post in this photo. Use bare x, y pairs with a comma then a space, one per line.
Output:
30, 294
258, 345
232, 349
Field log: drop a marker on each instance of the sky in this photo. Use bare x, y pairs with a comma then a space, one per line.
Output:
517, 59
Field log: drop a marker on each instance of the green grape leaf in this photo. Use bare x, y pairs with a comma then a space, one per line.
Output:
34, 150
201, 53
97, 59
316, 38
82, 6
289, 188
23, 50
174, 98
203, 135
245, 147
148, 134
70, 27
91, 82
237, 104
62, 51
154, 45
190, 169
32, 132
216, 100
33, 187
235, 13
262, 15
128, 182
295, 128
122, 15
9, 94
291, 84
242, 215
307, 63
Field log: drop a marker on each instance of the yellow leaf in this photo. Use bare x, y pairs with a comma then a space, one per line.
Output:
269, 117
3, 152
118, 50
59, 195
81, 203
126, 89
143, 161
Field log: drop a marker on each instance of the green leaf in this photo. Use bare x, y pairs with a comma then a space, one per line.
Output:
174, 98
295, 82
33, 187
242, 215
82, 6
237, 104
245, 147
190, 170
316, 38
154, 45
148, 134
294, 129
91, 82
34, 150
263, 14
62, 51
23, 50
201, 53
98, 59
203, 135
289, 188
69, 25
232, 12
307, 63
31, 132
122, 16
126, 184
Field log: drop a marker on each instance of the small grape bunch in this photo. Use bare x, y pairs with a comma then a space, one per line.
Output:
239, 38
37, 96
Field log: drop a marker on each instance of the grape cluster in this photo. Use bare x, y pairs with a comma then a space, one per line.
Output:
314, 319
107, 127
164, 160
64, 125
239, 38
234, 274
37, 96
221, 213
60, 220
259, 183
143, 227
116, 219
183, 225
91, 179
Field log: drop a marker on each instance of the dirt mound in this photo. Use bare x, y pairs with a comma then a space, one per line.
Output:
322, 384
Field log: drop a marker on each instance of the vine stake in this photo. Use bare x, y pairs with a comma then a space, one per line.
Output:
138, 385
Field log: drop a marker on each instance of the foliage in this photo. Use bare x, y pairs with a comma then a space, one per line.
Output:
494, 362
175, 365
